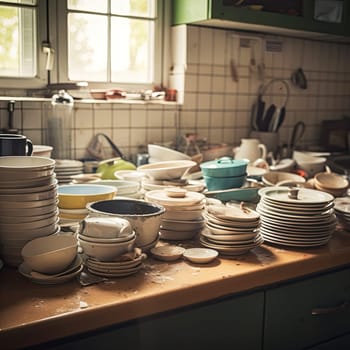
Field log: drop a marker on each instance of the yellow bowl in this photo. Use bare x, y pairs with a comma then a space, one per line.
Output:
77, 196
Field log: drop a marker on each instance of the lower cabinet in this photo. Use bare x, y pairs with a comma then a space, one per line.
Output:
231, 323
309, 313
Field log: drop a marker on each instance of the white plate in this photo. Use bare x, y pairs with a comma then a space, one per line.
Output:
342, 204
233, 213
200, 255
168, 252
229, 238
109, 273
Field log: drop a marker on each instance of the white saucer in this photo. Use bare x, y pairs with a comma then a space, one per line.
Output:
200, 255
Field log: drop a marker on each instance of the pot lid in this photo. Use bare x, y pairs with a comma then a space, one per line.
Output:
295, 195
174, 197
224, 163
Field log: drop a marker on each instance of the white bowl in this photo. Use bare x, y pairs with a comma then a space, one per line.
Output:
17, 226
107, 240
123, 187
50, 254
129, 175
104, 227
106, 251
168, 169
278, 178
165, 154
42, 151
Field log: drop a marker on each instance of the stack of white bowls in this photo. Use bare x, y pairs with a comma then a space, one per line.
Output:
231, 229
28, 203
183, 212
109, 246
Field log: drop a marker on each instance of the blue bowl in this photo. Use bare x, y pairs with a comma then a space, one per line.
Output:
224, 183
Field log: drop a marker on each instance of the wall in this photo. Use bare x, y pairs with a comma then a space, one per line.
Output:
215, 106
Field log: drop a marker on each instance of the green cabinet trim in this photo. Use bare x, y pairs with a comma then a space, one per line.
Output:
214, 13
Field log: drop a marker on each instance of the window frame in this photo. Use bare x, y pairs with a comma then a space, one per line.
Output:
41, 78
58, 24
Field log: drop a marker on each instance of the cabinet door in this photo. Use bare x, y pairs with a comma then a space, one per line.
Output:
308, 312
234, 323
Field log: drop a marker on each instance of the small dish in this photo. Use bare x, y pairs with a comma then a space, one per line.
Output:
200, 255
168, 252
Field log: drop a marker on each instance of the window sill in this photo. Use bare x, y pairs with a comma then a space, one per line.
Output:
89, 101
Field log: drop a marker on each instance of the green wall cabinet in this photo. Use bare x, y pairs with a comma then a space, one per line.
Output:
223, 14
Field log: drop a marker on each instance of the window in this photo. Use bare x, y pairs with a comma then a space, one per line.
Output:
20, 33
105, 42
116, 42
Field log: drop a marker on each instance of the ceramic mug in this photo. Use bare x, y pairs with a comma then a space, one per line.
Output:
250, 149
15, 145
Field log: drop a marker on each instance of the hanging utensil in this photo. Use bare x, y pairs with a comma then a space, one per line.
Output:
297, 134
11, 109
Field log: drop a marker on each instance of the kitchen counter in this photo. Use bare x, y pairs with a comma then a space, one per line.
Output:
31, 314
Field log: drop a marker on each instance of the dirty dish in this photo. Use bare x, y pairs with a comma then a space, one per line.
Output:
200, 255
168, 252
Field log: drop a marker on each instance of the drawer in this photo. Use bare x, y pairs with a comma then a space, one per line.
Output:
308, 312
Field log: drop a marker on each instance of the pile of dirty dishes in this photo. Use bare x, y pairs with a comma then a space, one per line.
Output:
231, 229
72, 200
109, 246
28, 203
342, 211
66, 168
224, 173
51, 260
144, 217
182, 219
296, 217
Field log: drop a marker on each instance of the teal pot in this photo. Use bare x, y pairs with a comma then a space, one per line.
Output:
224, 183
225, 167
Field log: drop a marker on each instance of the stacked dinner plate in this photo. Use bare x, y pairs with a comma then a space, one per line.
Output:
231, 229
296, 217
124, 265
182, 219
66, 168
28, 203
342, 211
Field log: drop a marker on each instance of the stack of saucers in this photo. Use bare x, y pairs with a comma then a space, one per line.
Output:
182, 219
28, 203
66, 168
107, 244
296, 217
231, 229
342, 211
124, 265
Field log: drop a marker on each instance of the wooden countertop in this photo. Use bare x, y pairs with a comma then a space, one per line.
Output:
31, 314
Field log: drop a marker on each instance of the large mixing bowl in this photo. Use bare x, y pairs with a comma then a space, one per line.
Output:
144, 217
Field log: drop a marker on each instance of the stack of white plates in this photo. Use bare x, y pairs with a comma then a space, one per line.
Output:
231, 229
66, 168
123, 266
296, 217
342, 211
183, 218
189, 185
28, 203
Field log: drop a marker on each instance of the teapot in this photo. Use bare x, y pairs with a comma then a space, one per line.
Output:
250, 149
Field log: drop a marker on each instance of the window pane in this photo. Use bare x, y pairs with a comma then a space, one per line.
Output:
88, 5
17, 42
144, 8
25, 2
87, 47
132, 53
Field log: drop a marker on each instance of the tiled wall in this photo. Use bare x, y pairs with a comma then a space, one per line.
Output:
215, 107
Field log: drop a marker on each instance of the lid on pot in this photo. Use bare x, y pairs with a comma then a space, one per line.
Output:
224, 163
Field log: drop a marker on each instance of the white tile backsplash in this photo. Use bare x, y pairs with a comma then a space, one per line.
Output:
215, 106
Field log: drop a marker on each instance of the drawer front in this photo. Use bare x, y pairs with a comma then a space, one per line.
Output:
230, 324
308, 312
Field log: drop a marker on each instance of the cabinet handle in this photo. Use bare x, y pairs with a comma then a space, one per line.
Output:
329, 310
